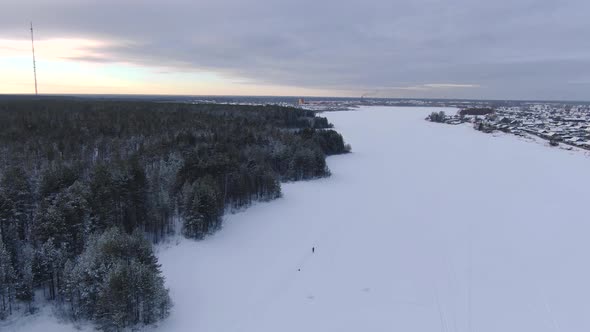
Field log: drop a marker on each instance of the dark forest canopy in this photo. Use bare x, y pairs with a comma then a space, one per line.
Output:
476, 111
84, 184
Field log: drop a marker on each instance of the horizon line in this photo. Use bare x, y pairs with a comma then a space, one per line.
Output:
282, 96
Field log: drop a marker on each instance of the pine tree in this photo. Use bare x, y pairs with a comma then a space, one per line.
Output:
103, 207
24, 285
8, 228
116, 282
18, 190
7, 282
49, 266
203, 209
194, 221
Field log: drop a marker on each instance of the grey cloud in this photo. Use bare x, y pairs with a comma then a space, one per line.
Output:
91, 58
457, 48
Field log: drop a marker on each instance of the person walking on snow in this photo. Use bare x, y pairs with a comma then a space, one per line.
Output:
312, 250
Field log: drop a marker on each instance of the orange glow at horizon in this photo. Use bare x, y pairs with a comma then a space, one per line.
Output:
62, 70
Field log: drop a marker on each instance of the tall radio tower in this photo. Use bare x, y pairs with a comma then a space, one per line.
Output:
34, 64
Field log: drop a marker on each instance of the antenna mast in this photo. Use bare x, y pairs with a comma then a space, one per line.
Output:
34, 64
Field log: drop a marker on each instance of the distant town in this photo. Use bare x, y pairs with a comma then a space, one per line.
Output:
327, 104
566, 124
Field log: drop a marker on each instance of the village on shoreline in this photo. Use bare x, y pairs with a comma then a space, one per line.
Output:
557, 124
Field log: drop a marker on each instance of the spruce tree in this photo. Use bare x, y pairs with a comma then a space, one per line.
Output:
7, 282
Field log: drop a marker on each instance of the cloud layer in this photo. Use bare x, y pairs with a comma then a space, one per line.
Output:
504, 49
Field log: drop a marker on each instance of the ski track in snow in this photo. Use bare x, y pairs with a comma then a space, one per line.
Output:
424, 227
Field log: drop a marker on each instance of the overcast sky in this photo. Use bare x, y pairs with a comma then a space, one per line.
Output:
501, 49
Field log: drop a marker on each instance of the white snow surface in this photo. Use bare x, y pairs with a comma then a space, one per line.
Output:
424, 227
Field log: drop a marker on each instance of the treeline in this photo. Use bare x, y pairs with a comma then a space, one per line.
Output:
437, 117
476, 111
86, 187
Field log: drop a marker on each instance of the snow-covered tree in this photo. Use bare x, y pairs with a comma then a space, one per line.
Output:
7, 282
116, 282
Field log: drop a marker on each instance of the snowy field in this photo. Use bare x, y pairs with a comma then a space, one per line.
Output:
425, 227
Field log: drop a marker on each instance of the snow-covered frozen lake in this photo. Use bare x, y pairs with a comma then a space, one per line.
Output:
424, 227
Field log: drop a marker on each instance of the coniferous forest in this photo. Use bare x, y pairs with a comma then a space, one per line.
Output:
88, 186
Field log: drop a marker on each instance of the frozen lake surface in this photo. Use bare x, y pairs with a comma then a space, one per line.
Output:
424, 227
